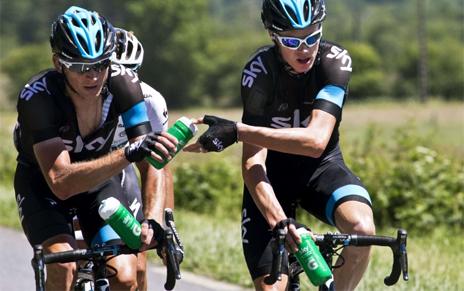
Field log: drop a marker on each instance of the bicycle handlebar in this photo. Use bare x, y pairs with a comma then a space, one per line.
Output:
332, 240
172, 245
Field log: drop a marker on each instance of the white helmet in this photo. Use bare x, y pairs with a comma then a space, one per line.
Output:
129, 51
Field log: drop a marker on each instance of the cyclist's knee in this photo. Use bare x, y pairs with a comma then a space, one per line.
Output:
364, 227
126, 266
355, 217
277, 286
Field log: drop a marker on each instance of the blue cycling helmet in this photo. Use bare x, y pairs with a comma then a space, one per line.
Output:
82, 35
281, 15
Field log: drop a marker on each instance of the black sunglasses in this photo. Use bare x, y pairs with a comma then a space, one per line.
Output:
86, 67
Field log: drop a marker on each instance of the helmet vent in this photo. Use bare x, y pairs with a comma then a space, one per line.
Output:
130, 48
94, 19
306, 12
139, 51
291, 13
81, 40
98, 40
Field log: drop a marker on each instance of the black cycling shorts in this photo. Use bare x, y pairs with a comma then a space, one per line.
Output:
44, 216
318, 191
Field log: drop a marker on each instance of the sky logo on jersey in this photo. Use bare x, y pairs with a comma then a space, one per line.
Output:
245, 220
337, 53
94, 145
249, 74
34, 88
117, 70
286, 122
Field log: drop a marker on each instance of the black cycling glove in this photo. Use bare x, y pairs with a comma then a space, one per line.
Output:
137, 151
220, 134
285, 223
158, 232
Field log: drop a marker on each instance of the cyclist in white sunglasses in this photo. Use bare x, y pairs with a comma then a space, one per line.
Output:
293, 93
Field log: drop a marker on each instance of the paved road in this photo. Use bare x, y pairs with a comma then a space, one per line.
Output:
16, 272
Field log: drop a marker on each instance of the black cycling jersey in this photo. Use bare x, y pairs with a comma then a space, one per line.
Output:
274, 97
45, 112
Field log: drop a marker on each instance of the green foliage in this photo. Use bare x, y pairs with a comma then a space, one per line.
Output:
195, 50
368, 78
214, 187
23, 63
411, 186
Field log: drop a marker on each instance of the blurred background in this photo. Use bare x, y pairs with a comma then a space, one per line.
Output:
402, 129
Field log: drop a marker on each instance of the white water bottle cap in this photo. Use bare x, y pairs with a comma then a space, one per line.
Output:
189, 123
108, 207
302, 231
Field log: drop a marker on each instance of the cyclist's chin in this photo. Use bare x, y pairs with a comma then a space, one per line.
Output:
90, 91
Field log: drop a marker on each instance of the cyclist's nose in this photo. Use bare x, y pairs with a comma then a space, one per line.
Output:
92, 74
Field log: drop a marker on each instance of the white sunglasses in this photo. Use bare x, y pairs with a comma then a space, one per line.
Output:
294, 43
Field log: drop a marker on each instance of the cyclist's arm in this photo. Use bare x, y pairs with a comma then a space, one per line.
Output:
67, 179
257, 182
169, 187
153, 191
310, 141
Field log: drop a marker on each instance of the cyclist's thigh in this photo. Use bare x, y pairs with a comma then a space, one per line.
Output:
330, 186
87, 209
131, 190
42, 214
255, 239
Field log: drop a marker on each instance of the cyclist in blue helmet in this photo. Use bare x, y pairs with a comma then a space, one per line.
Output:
67, 117
293, 94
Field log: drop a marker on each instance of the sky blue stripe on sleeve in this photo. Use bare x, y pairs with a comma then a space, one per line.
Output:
333, 94
341, 192
135, 115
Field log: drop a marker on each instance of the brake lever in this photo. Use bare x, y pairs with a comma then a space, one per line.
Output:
277, 254
403, 235
169, 219
174, 251
400, 260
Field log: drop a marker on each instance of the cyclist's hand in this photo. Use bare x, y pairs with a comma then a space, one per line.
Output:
146, 235
162, 142
292, 240
220, 134
152, 235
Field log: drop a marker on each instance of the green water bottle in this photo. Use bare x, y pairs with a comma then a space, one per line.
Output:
122, 221
311, 260
183, 129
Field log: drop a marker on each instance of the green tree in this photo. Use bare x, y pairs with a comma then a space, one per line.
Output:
368, 78
23, 63
174, 34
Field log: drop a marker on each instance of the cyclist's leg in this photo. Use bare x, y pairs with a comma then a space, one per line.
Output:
131, 190
95, 231
256, 247
45, 221
341, 200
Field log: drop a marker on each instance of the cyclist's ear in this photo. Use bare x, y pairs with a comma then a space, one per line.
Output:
57, 64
